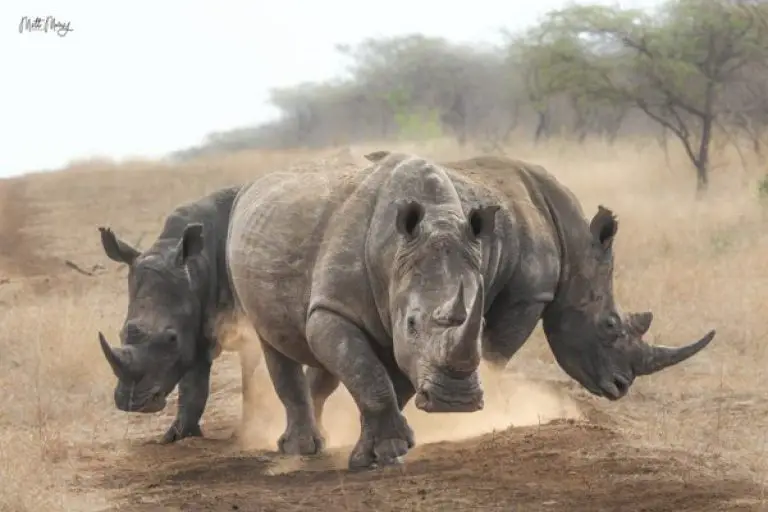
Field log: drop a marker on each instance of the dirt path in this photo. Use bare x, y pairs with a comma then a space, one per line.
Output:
560, 466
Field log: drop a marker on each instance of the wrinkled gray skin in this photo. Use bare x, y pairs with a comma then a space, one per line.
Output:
176, 290
396, 280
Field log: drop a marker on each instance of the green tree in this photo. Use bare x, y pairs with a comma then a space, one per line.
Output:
673, 66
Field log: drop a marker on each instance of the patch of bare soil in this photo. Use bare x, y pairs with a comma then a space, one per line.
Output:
564, 465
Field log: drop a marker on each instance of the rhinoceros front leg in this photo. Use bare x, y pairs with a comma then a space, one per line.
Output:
301, 436
322, 384
345, 352
404, 390
194, 388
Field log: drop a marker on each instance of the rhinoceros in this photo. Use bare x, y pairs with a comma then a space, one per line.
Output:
178, 289
397, 279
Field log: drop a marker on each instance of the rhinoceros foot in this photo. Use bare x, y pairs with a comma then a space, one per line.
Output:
301, 440
177, 432
385, 438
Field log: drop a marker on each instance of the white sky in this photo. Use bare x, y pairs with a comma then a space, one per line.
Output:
144, 78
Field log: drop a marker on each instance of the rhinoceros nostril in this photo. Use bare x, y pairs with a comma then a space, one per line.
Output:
132, 331
454, 321
411, 324
423, 399
171, 336
448, 320
622, 385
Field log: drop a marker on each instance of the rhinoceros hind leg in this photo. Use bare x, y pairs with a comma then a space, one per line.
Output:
250, 357
301, 436
322, 385
344, 350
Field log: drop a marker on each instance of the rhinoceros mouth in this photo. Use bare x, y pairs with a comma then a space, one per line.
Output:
439, 392
615, 387
153, 402
156, 403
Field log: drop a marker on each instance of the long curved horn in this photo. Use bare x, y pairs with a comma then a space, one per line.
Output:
653, 358
114, 358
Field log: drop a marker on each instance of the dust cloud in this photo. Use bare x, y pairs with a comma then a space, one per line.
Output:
510, 400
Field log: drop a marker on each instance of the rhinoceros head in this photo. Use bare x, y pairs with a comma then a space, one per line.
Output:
592, 340
160, 333
436, 291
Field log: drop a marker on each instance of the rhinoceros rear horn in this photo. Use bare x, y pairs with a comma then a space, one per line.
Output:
640, 322
652, 359
377, 156
114, 358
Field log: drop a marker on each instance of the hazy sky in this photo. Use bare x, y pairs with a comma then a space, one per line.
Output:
144, 78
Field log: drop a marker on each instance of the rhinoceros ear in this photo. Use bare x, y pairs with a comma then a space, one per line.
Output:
116, 249
409, 215
603, 227
482, 220
377, 156
191, 243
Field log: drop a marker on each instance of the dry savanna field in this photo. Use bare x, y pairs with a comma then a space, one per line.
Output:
691, 438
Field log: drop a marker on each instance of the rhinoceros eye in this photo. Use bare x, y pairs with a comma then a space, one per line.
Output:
612, 322
169, 337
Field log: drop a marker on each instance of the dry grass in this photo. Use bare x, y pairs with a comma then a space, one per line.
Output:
697, 264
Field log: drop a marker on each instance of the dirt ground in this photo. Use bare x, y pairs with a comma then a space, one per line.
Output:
692, 438
558, 466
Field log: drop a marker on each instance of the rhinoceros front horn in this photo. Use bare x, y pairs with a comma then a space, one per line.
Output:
464, 351
654, 358
114, 358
